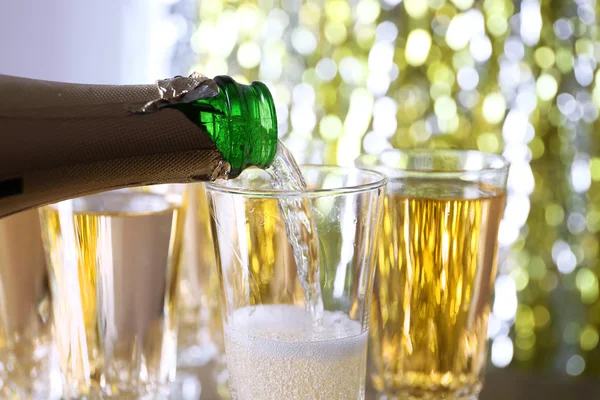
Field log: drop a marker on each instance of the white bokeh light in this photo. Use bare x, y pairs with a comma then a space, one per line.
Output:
517, 209
515, 127
303, 119
375, 143
481, 48
502, 351
351, 70
326, 69
514, 49
584, 70
381, 57
531, 21
505, 302
576, 223
563, 28
581, 177
386, 31
467, 78
303, 94
304, 41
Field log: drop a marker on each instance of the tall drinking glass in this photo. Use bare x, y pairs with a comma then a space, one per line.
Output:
435, 271
26, 346
275, 348
113, 275
201, 351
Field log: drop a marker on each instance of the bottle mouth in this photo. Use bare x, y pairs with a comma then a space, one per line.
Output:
253, 112
268, 121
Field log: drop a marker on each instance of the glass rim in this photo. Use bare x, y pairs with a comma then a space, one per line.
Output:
379, 180
495, 163
161, 190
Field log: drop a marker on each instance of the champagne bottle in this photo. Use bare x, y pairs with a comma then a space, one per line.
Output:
61, 140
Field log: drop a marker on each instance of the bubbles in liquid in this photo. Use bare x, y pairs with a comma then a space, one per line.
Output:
275, 352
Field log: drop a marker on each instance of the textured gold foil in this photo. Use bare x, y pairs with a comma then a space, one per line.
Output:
180, 89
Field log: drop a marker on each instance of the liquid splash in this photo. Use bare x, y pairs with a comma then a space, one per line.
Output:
300, 228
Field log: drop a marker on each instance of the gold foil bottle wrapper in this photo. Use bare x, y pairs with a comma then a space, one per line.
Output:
181, 90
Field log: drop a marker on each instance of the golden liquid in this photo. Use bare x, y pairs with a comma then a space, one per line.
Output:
113, 273
199, 278
436, 267
267, 257
25, 313
201, 350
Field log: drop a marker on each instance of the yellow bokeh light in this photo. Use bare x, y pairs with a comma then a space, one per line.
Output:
488, 142
587, 283
497, 25
458, 33
248, 16
439, 89
417, 47
462, 59
595, 168
537, 148
585, 279
330, 127
596, 95
463, 4
282, 94
335, 32
365, 35
418, 130
588, 339
435, 4
367, 11
544, 57
445, 107
448, 126
310, 14
542, 316
521, 278
248, 55
338, 11
592, 221
525, 342
564, 60
584, 46
590, 296
416, 8
443, 73
494, 107
525, 321
546, 87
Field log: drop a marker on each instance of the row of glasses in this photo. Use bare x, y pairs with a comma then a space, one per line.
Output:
416, 263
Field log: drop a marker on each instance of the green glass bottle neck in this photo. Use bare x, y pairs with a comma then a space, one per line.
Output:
240, 120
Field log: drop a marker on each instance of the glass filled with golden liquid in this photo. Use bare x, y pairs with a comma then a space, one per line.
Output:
113, 260
436, 267
296, 274
201, 352
27, 354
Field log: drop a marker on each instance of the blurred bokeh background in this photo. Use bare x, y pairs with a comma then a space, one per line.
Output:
518, 78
